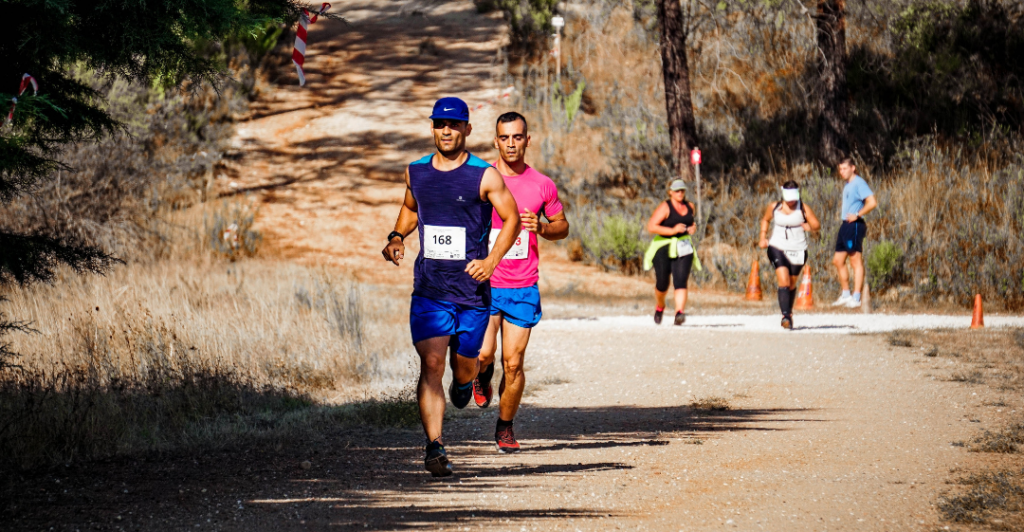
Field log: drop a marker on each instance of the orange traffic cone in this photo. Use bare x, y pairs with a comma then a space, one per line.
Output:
804, 297
754, 284
978, 320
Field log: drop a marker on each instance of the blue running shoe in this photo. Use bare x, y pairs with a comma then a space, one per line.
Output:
437, 459
460, 394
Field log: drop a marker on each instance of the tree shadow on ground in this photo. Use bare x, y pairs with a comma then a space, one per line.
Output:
360, 477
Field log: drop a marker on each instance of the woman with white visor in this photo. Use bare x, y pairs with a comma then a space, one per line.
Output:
790, 219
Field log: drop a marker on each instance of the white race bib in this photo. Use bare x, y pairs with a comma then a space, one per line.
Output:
796, 258
520, 248
444, 243
684, 247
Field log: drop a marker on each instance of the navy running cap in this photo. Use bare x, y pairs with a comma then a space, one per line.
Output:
450, 108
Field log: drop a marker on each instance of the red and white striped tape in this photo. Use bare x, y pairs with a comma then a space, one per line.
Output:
26, 80
299, 53
504, 94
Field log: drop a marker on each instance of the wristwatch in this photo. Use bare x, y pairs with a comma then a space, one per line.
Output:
394, 234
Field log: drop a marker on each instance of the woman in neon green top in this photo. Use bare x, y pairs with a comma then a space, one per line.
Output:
671, 252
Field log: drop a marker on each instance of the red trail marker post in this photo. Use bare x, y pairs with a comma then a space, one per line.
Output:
696, 160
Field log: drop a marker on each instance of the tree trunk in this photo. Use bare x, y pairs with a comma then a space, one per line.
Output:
832, 93
682, 127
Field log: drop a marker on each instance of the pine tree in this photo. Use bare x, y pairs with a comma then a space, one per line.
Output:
682, 126
154, 41
830, 25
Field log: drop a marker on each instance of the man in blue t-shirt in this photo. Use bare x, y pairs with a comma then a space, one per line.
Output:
858, 200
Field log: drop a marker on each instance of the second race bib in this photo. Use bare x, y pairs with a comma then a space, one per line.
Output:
520, 249
796, 258
444, 243
684, 247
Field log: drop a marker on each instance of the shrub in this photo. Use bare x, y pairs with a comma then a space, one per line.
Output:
230, 232
529, 21
885, 264
612, 240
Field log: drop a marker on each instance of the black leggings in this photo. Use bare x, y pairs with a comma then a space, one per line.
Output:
679, 269
778, 259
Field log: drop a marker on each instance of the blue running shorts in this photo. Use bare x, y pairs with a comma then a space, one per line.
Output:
851, 236
521, 306
466, 325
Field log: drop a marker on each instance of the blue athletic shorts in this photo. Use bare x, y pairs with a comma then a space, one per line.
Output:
466, 325
520, 306
851, 236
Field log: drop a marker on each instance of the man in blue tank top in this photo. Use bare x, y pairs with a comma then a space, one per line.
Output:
449, 197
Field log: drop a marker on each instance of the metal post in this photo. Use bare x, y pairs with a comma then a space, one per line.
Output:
695, 160
699, 219
558, 22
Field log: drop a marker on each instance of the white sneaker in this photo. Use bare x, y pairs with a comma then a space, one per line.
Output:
853, 303
843, 300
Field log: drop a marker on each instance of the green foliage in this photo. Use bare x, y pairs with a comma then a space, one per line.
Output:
954, 69
154, 41
529, 21
885, 264
612, 240
570, 103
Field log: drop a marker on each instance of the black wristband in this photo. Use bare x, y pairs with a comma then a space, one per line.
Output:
394, 234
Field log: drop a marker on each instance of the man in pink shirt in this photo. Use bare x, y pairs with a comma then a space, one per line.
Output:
515, 299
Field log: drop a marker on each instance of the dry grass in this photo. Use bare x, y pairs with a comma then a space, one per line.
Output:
176, 355
1009, 440
995, 499
987, 356
710, 405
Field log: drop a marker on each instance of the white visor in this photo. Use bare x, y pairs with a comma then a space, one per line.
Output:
791, 194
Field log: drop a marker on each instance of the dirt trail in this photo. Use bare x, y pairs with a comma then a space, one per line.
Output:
824, 431
325, 163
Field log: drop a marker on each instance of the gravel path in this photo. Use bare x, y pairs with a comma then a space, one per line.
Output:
822, 432
804, 323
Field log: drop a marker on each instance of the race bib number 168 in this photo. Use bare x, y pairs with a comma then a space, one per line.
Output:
444, 243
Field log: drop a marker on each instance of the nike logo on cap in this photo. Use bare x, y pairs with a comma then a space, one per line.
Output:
447, 109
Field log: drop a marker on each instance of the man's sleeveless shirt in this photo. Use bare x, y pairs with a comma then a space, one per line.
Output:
451, 200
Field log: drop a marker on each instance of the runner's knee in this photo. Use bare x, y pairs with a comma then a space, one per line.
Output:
513, 365
432, 367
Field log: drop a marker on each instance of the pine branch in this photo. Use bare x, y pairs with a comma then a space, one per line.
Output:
29, 258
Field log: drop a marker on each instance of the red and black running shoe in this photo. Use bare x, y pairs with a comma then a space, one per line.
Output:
482, 395
506, 439
657, 316
482, 390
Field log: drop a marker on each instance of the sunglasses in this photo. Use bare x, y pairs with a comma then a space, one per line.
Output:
450, 124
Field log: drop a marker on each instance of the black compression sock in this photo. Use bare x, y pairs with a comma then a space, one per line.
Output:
502, 424
792, 301
486, 374
785, 301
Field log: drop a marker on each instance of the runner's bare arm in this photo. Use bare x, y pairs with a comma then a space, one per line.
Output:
406, 223
693, 228
765, 221
492, 189
654, 224
869, 205
812, 223
556, 228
